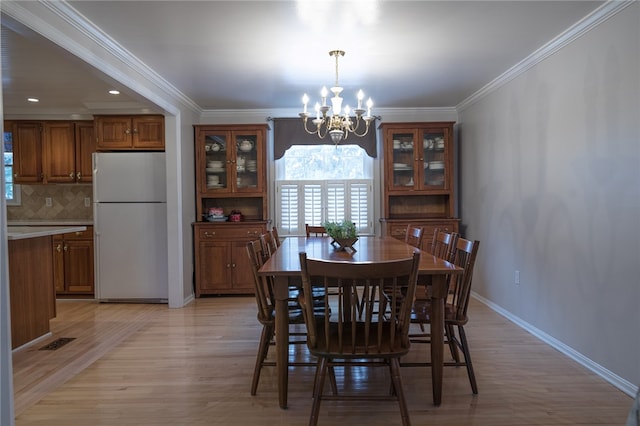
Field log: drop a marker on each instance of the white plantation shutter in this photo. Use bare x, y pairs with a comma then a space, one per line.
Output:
288, 201
360, 204
313, 204
335, 201
320, 201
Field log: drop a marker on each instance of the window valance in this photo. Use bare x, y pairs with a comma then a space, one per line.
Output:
290, 131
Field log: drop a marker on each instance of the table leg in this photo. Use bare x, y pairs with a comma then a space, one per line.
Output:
438, 294
281, 294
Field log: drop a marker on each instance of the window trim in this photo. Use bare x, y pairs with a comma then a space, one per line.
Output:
17, 199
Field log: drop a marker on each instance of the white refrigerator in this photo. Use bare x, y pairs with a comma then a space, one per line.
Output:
130, 227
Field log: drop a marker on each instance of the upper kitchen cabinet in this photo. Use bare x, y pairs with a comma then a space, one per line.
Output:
231, 169
418, 170
130, 132
67, 151
26, 139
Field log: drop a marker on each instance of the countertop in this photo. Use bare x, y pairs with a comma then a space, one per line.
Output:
23, 232
41, 222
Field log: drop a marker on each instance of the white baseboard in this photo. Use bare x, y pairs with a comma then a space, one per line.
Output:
617, 381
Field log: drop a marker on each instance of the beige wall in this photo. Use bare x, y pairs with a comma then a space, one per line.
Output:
550, 185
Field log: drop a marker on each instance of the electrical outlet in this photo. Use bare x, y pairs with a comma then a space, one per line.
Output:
47, 202
87, 201
517, 277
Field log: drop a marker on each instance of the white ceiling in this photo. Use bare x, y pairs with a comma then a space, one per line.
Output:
266, 54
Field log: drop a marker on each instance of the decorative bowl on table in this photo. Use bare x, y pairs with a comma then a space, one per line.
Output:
343, 234
342, 244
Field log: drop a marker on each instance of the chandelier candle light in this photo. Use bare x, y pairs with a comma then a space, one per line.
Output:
338, 124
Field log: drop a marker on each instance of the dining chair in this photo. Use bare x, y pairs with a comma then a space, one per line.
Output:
274, 235
413, 236
266, 313
443, 244
341, 338
268, 243
315, 231
464, 256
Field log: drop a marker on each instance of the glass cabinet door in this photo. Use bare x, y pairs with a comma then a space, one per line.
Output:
403, 154
247, 161
435, 161
215, 148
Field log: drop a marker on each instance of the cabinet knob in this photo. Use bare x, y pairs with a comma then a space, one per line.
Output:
233, 265
66, 247
228, 265
127, 132
72, 175
135, 131
78, 175
59, 248
15, 175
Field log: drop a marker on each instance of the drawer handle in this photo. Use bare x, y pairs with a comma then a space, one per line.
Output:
207, 234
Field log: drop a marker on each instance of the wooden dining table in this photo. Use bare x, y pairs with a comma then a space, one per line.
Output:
285, 262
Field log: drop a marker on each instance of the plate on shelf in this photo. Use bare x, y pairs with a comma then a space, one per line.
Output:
400, 166
215, 185
214, 169
217, 218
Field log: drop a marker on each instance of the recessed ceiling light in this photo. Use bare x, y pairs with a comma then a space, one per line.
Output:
33, 99
114, 92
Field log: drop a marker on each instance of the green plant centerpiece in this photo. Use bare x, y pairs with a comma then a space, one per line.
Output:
343, 233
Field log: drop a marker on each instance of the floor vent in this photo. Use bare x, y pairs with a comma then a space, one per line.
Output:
57, 344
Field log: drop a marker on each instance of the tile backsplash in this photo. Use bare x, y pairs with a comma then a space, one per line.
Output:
67, 202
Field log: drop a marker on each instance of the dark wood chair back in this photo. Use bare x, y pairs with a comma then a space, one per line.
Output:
315, 231
344, 334
444, 244
274, 235
414, 235
464, 255
262, 285
268, 244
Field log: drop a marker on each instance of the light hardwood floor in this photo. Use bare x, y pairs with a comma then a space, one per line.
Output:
136, 364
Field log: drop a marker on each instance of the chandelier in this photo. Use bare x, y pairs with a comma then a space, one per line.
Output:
338, 124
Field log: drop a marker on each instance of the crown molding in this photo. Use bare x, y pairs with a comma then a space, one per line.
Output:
388, 115
576, 31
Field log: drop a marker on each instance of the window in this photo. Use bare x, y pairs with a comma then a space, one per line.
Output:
322, 183
11, 191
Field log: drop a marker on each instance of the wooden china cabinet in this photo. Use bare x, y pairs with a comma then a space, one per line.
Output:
418, 172
230, 177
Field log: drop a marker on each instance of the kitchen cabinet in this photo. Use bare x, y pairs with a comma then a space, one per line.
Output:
67, 151
230, 177
27, 151
419, 178
73, 263
129, 132
222, 265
